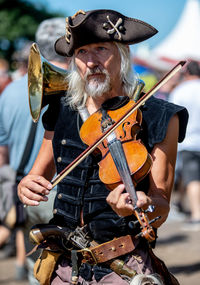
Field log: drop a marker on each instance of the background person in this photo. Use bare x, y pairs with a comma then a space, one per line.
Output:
187, 94
20, 61
15, 123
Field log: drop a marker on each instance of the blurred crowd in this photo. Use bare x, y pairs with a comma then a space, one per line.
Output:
20, 141
184, 89
5, 76
19, 63
16, 129
186, 93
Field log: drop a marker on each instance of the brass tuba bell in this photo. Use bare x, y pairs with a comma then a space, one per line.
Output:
44, 81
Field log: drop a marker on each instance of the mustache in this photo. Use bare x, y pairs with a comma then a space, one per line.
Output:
95, 70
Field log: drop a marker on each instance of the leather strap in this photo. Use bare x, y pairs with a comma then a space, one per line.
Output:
161, 268
109, 250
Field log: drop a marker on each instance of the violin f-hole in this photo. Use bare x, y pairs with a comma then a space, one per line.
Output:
124, 130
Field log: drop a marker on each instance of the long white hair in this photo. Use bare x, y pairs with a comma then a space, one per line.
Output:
76, 95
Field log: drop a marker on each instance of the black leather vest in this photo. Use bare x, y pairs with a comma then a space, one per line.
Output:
82, 190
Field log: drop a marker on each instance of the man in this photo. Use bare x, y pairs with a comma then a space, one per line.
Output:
101, 70
15, 124
187, 94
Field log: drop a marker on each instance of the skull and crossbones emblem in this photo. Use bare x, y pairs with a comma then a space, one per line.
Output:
115, 27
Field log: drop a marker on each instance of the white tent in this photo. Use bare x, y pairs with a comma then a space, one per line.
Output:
181, 44
184, 40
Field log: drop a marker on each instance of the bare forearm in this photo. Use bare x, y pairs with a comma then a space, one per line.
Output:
161, 210
44, 163
162, 173
44, 168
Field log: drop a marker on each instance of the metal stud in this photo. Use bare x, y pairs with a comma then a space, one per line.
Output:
59, 159
105, 26
59, 196
121, 28
63, 142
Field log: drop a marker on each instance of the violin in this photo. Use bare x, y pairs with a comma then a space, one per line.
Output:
138, 159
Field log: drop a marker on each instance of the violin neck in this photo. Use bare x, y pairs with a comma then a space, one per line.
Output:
119, 158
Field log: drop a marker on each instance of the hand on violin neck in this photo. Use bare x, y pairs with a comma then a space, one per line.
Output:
143, 200
120, 201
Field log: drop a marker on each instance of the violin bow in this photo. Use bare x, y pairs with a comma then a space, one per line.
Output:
138, 104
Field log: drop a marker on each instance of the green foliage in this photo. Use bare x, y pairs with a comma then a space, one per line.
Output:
19, 19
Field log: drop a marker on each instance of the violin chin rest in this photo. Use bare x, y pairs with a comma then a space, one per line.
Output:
115, 103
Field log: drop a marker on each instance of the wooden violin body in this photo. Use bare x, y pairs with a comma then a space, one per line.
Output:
138, 159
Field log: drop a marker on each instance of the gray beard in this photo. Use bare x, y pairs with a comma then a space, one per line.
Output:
95, 88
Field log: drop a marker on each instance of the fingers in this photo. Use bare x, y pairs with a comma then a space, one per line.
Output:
32, 189
114, 195
143, 200
119, 201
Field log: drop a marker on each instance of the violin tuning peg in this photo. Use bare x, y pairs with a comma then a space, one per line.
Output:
150, 209
154, 220
132, 224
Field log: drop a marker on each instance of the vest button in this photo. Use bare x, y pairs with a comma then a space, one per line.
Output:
59, 196
55, 211
63, 142
59, 159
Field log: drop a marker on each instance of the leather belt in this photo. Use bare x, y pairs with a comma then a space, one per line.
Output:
109, 250
54, 238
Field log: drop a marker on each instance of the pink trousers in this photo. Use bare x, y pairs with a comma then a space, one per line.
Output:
139, 261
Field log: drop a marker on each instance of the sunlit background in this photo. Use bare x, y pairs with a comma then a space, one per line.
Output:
177, 21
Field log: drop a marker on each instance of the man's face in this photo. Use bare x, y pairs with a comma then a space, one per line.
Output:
99, 66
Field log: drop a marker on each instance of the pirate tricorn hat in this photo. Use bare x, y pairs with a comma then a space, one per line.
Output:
101, 26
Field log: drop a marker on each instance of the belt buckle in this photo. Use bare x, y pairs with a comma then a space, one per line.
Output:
89, 256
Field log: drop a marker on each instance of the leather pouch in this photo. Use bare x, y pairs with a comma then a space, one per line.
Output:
161, 268
45, 265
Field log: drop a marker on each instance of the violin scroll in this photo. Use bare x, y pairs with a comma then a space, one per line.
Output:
147, 230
